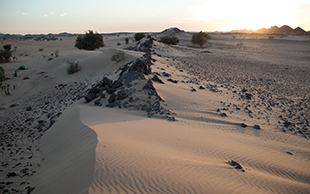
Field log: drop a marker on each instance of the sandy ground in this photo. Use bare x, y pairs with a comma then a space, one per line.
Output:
217, 95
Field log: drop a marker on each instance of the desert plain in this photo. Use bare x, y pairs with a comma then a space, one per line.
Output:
231, 117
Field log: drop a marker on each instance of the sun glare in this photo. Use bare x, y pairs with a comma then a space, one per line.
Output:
244, 14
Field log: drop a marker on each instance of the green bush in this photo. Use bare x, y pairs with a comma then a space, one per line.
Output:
73, 67
89, 41
5, 54
118, 56
127, 40
169, 40
139, 36
2, 76
200, 38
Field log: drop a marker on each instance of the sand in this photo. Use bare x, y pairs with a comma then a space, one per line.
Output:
68, 146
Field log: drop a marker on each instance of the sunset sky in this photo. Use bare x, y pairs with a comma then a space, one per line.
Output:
77, 16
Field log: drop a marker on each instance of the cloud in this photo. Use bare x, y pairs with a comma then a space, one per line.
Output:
52, 13
24, 13
45, 15
61, 15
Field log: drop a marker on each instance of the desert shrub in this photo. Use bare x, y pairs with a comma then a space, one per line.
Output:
7, 47
5, 56
50, 58
6, 88
57, 53
89, 41
2, 76
169, 40
271, 37
200, 38
118, 56
118, 44
139, 36
127, 40
73, 67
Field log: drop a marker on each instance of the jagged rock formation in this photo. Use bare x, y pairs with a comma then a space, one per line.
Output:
132, 89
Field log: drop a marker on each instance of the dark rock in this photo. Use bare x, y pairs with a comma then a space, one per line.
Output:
117, 84
257, 127
90, 97
94, 90
244, 90
202, 88
173, 81
193, 90
157, 79
121, 95
29, 189
248, 96
243, 125
98, 102
9, 183
166, 74
107, 82
112, 105
235, 164
287, 124
11, 174
290, 153
110, 90
112, 98
29, 108
223, 114
141, 65
148, 86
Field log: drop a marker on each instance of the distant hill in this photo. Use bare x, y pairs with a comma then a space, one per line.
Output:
171, 31
285, 30
50, 34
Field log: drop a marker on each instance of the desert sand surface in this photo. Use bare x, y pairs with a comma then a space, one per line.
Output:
232, 117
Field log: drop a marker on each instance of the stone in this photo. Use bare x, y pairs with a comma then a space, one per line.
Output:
107, 82
202, 88
90, 97
28, 108
257, 127
11, 174
148, 86
235, 164
121, 95
248, 96
157, 79
193, 90
166, 74
117, 84
224, 114
173, 81
98, 102
243, 125
112, 98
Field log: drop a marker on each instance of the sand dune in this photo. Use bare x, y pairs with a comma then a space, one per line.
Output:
96, 149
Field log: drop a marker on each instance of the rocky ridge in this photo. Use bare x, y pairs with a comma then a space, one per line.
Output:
134, 87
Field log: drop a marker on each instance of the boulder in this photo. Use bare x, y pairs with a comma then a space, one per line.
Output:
121, 95
157, 79
90, 97
112, 98
148, 86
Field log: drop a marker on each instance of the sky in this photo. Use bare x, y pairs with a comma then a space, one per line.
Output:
103, 16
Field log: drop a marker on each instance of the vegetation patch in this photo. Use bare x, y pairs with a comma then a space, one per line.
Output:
169, 40
200, 38
89, 41
118, 56
73, 67
139, 36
